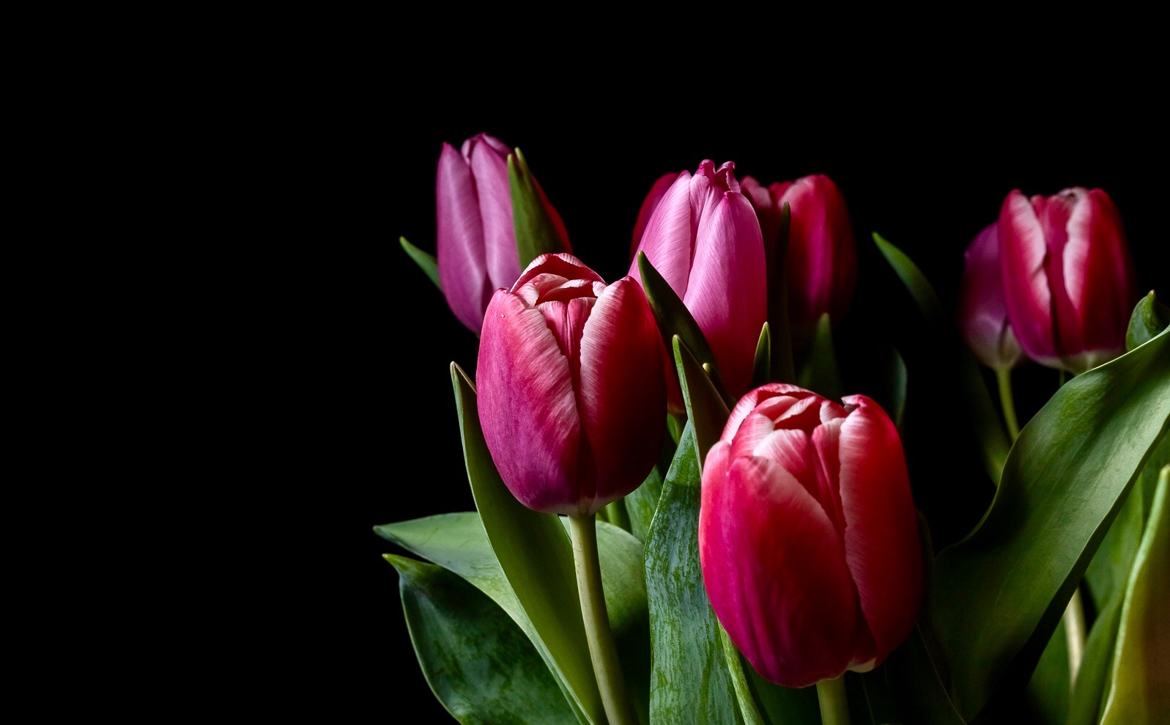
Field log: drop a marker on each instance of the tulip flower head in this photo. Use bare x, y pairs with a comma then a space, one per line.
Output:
1067, 277
808, 537
982, 312
570, 390
704, 239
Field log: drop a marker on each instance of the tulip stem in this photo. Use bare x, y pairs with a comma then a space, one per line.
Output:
607, 669
1074, 631
834, 705
1003, 376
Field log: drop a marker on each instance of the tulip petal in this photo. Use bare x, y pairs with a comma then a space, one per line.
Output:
490, 168
527, 406
775, 573
1025, 282
822, 259
727, 291
621, 389
983, 314
881, 530
460, 240
649, 204
669, 237
780, 391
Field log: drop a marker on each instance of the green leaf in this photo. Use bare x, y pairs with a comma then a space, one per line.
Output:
689, 678
897, 383
674, 319
918, 677
998, 595
478, 663
1149, 318
991, 434
537, 231
458, 543
706, 408
820, 372
641, 503
748, 709
1048, 690
1139, 689
762, 369
534, 552
1093, 675
425, 261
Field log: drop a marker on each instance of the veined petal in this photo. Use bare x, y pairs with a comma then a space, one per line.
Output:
1025, 283
649, 204
668, 240
490, 168
462, 269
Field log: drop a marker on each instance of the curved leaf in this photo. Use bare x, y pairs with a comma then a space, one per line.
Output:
1149, 318
674, 319
706, 409
478, 663
1062, 485
762, 368
425, 261
536, 232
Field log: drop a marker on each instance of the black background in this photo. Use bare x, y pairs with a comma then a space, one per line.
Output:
927, 181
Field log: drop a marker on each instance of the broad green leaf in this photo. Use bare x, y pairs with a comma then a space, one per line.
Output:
1048, 690
1093, 675
478, 663
706, 408
535, 556
1149, 318
537, 232
1110, 567
919, 677
641, 502
1061, 487
820, 373
689, 680
425, 261
674, 319
458, 543
1139, 689
762, 369
991, 434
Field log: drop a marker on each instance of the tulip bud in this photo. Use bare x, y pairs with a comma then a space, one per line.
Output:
808, 537
1067, 276
476, 236
704, 239
570, 388
821, 262
982, 314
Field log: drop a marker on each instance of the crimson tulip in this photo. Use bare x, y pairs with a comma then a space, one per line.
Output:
1067, 277
570, 389
808, 537
982, 314
476, 238
822, 257
704, 239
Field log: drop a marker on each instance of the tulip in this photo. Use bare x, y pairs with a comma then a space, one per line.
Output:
476, 237
822, 258
704, 239
570, 389
808, 538
1067, 276
982, 314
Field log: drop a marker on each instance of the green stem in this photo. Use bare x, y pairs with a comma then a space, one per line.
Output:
739, 682
834, 706
1074, 630
1003, 376
607, 669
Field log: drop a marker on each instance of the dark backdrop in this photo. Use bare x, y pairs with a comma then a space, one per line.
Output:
927, 181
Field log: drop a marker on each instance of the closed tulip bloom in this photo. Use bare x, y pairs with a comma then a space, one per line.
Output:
570, 387
982, 313
476, 237
808, 537
1067, 276
703, 237
822, 257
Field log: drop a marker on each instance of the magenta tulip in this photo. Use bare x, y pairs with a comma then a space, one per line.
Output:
808, 537
1067, 276
982, 314
569, 378
476, 237
703, 237
822, 257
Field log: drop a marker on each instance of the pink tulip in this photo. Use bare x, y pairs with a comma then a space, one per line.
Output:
808, 537
649, 204
1067, 276
704, 239
571, 397
822, 256
476, 237
982, 314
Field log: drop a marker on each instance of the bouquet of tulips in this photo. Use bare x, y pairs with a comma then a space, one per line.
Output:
681, 518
